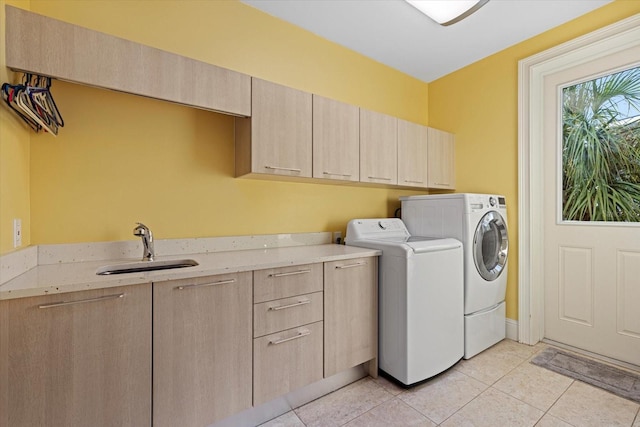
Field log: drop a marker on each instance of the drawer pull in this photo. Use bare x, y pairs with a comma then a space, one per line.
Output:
357, 264
414, 182
382, 178
296, 304
221, 282
278, 168
82, 301
291, 273
337, 174
300, 335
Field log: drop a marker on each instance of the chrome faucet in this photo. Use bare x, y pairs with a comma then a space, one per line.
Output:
147, 241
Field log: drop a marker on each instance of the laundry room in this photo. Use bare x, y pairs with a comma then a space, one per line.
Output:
154, 182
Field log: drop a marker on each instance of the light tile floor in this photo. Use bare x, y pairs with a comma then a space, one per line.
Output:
497, 388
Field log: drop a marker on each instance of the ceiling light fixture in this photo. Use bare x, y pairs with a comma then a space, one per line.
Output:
447, 12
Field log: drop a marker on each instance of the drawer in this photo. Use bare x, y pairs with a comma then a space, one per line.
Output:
286, 361
286, 313
283, 282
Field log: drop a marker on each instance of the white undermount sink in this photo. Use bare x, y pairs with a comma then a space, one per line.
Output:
138, 266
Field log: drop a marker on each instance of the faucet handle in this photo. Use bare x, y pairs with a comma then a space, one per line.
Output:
140, 229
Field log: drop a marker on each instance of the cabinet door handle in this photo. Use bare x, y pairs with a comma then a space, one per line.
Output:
82, 301
413, 182
290, 273
278, 168
301, 334
377, 177
221, 282
337, 174
295, 304
357, 264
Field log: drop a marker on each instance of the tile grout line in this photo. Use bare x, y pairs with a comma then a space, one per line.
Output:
490, 386
556, 401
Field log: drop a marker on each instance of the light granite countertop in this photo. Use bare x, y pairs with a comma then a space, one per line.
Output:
65, 277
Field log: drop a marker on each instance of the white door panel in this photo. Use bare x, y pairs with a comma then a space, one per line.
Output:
591, 269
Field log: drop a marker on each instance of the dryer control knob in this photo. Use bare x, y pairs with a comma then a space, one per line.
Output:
493, 201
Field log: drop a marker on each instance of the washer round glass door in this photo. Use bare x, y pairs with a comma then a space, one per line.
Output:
490, 246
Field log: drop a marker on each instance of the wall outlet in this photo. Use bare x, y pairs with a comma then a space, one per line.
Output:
17, 232
336, 237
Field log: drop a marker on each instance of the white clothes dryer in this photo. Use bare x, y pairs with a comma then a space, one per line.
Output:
420, 299
479, 221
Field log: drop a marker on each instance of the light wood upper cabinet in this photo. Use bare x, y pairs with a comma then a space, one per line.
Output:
378, 148
441, 153
77, 359
202, 344
350, 313
336, 140
46, 46
412, 154
276, 139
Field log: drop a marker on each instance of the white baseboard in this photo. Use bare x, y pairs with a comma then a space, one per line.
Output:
512, 329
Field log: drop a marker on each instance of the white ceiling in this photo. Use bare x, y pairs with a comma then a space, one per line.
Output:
396, 34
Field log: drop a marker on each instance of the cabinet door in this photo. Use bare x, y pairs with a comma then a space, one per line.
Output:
280, 130
378, 148
286, 313
49, 47
441, 153
285, 361
336, 140
202, 339
77, 359
412, 154
350, 313
283, 282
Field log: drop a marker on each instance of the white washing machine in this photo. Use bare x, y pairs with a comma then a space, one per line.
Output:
420, 317
479, 221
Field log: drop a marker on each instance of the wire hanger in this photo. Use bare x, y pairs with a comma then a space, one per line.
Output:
33, 102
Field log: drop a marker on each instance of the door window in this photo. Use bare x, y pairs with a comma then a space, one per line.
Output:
601, 149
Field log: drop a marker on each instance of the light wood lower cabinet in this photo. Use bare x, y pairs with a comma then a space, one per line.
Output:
283, 282
202, 344
77, 359
288, 331
285, 361
350, 313
278, 315
218, 345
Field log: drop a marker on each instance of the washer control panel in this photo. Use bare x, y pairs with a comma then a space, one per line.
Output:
376, 228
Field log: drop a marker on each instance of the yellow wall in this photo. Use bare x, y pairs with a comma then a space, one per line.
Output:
480, 105
14, 157
121, 159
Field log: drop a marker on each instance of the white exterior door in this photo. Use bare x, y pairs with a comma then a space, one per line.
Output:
591, 268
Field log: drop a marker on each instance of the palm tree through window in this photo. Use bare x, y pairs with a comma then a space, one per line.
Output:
601, 149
